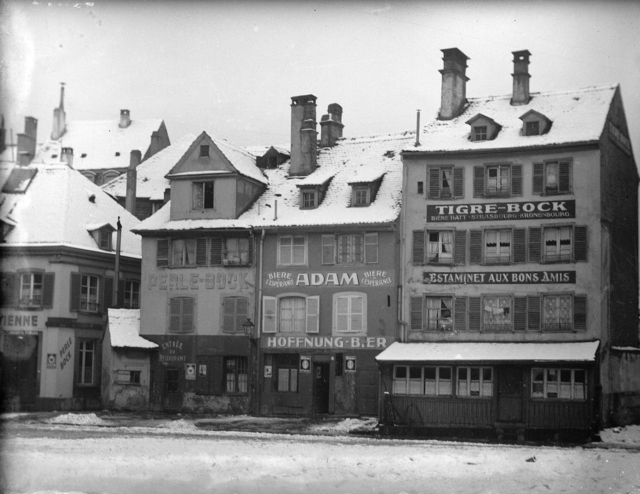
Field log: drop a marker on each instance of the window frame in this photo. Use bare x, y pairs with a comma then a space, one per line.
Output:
427, 311
450, 260
499, 192
358, 200
480, 133
439, 393
239, 251
82, 366
184, 261
481, 380
308, 199
530, 123
207, 197
498, 259
203, 148
30, 302
84, 302
241, 363
271, 313
238, 316
104, 239
550, 259
350, 314
283, 262
181, 315
505, 327
289, 363
131, 290
548, 327
558, 384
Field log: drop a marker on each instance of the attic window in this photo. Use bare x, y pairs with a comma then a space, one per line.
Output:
532, 128
203, 194
361, 196
480, 133
204, 151
309, 199
104, 239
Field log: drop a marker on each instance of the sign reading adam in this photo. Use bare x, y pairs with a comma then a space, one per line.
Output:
501, 211
283, 279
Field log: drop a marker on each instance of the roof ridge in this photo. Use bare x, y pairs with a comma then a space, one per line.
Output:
585, 89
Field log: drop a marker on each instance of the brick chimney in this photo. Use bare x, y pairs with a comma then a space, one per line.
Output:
59, 117
125, 119
454, 83
304, 137
521, 95
27, 141
331, 126
132, 177
66, 156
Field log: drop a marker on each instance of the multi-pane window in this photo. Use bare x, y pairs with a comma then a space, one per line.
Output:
236, 251
418, 380
350, 248
497, 313
131, 294
532, 128
183, 252
89, 288
498, 180
557, 312
563, 384
309, 199
236, 376
480, 133
552, 177
350, 312
438, 314
203, 195
292, 250
292, 314
445, 182
182, 314
497, 246
235, 314
104, 238
287, 373
558, 245
361, 196
204, 150
475, 381
31, 289
86, 362
440, 247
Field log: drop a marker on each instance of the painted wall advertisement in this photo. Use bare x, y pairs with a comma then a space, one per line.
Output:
172, 352
533, 210
285, 279
359, 342
499, 278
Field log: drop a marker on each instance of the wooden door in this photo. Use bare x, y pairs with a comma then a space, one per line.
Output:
510, 393
172, 395
321, 387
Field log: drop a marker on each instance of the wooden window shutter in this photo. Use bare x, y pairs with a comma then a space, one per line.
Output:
533, 313
269, 314
474, 313
250, 260
74, 301
174, 314
564, 177
516, 180
216, 251
229, 314
217, 378
520, 245
201, 252
418, 247
416, 313
475, 246
371, 248
434, 183
460, 316
458, 182
242, 306
107, 295
478, 181
9, 289
580, 243
535, 244
520, 313
460, 248
188, 314
538, 178
580, 312
162, 254
47, 292
313, 314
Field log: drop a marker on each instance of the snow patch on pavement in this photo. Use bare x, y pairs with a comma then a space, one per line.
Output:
179, 426
78, 419
346, 425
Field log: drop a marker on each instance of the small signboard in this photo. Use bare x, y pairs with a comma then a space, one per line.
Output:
51, 360
202, 370
350, 364
305, 364
190, 372
268, 371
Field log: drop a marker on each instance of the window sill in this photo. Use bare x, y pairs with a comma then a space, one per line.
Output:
30, 307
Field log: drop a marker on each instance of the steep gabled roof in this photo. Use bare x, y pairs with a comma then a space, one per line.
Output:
59, 207
578, 116
100, 144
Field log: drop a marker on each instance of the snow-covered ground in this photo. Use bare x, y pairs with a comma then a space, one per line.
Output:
84, 453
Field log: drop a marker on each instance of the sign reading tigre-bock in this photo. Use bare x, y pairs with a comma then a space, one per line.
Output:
534, 210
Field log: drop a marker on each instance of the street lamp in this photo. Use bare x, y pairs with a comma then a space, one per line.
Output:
248, 328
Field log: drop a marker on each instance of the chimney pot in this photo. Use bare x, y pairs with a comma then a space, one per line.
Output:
125, 119
132, 178
521, 94
331, 126
66, 156
454, 83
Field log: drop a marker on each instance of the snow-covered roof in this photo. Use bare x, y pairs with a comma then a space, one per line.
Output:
151, 182
351, 158
100, 144
577, 116
241, 160
124, 328
583, 351
259, 151
59, 206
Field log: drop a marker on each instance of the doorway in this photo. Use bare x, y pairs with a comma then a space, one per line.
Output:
20, 369
321, 387
510, 393
172, 395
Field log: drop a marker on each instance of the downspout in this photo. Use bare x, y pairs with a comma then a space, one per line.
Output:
116, 283
258, 315
403, 271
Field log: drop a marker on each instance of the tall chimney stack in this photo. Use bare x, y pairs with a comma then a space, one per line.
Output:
331, 126
59, 117
27, 141
454, 83
304, 137
521, 94
66, 156
132, 177
125, 119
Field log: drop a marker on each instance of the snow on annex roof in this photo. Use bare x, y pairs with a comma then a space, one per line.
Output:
102, 142
151, 182
57, 208
584, 351
577, 116
240, 158
124, 328
371, 156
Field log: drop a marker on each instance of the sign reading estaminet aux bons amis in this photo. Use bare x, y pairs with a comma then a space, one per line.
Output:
499, 278
501, 211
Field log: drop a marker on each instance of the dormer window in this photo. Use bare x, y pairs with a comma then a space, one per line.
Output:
203, 195
312, 194
204, 151
483, 128
309, 199
104, 239
534, 123
101, 234
532, 128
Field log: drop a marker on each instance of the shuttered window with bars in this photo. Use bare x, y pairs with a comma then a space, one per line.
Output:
290, 314
552, 177
497, 246
497, 181
445, 182
439, 247
215, 251
182, 314
350, 249
235, 313
350, 312
565, 243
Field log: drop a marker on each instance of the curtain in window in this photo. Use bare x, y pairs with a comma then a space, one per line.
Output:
439, 313
292, 314
497, 313
198, 195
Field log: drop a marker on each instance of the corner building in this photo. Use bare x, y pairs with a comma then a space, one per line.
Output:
520, 244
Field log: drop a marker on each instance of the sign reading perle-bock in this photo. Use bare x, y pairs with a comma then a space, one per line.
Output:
534, 210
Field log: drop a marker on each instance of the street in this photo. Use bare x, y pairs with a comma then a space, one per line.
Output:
184, 459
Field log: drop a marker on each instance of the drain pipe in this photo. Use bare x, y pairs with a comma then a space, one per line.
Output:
258, 315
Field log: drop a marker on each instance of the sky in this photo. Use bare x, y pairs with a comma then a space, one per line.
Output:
231, 68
